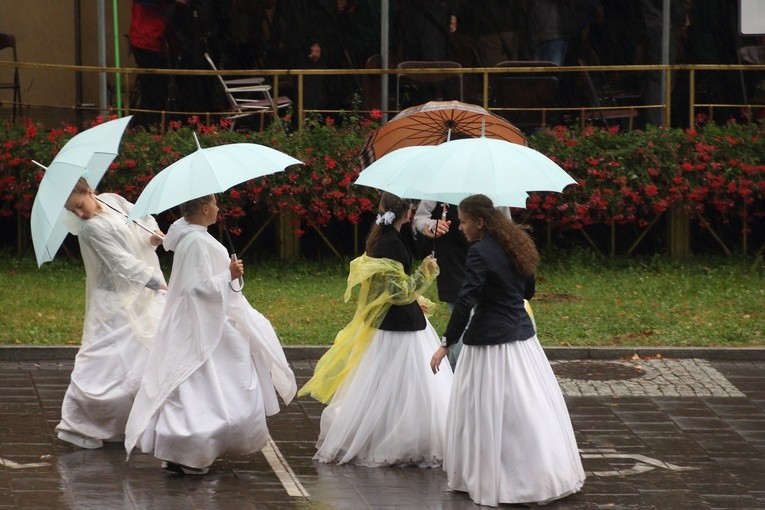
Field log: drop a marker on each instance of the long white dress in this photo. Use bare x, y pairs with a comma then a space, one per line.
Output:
510, 442
391, 409
215, 367
121, 317
509, 437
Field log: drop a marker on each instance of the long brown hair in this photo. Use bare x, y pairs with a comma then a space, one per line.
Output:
514, 239
388, 203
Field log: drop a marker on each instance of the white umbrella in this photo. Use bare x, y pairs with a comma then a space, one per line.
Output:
454, 170
87, 154
208, 171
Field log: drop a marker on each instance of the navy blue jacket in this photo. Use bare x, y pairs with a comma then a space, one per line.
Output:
497, 292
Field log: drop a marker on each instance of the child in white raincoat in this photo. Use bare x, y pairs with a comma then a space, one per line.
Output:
216, 362
123, 302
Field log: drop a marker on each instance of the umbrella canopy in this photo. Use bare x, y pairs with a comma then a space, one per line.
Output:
87, 154
208, 171
435, 122
452, 171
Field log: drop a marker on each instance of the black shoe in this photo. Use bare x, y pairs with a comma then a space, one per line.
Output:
183, 470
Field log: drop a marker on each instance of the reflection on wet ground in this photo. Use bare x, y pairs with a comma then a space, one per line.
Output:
658, 434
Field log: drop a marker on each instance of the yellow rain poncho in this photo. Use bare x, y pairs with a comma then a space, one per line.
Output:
383, 283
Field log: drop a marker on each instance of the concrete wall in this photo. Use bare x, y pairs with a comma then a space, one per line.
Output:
45, 33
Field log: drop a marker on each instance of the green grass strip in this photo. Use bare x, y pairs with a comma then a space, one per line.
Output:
582, 300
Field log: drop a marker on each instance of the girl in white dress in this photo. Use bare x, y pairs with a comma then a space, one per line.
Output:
509, 437
216, 364
385, 406
124, 299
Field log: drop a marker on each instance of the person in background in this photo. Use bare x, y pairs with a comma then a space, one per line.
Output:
124, 299
196, 27
495, 31
216, 364
436, 227
424, 27
509, 438
242, 45
359, 33
148, 44
654, 89
312, 42
385, 408
552, 25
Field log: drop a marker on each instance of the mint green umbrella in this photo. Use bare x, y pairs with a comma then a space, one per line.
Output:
505, 172
208, 171
87, 154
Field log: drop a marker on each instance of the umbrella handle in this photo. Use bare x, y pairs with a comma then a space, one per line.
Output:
444, 208
134, 221
240, 280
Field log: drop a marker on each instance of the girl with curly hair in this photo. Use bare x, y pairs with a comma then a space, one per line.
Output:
509, 437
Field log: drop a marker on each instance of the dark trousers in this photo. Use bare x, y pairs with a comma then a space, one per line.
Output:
151, 87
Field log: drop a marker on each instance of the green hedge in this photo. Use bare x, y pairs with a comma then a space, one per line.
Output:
714, 173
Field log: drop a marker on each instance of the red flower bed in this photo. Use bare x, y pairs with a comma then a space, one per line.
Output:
628, 178
623, 178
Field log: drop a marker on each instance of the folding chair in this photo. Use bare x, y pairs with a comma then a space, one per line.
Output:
9, 41
605, 111
371, 84
239, 93
524, 98
429, 79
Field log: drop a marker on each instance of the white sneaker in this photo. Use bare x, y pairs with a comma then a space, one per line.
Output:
78, 440
115, 439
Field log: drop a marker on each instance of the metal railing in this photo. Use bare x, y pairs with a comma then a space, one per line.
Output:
277, 77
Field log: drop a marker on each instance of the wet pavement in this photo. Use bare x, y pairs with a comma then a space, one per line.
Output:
680, 431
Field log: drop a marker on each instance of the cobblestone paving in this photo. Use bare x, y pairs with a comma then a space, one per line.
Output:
654, 448
643, 378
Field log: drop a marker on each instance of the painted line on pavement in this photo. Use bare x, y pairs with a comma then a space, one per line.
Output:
15, 465
290, 482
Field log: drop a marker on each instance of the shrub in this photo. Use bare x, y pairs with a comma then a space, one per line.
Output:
624, 178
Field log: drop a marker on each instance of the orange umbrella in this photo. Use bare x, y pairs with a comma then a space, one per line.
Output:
435, 122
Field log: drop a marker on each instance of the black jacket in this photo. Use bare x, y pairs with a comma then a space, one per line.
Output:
406, 317
450, 250
497, 292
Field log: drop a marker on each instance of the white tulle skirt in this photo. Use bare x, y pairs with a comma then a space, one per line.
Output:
391, 410
509, 437
218, 410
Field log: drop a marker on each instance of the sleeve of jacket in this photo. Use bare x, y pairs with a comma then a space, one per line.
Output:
475, 277
531, 287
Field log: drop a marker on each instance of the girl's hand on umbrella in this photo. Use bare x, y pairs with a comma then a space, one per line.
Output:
441, 227
437, 229
236, 267
156, 238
